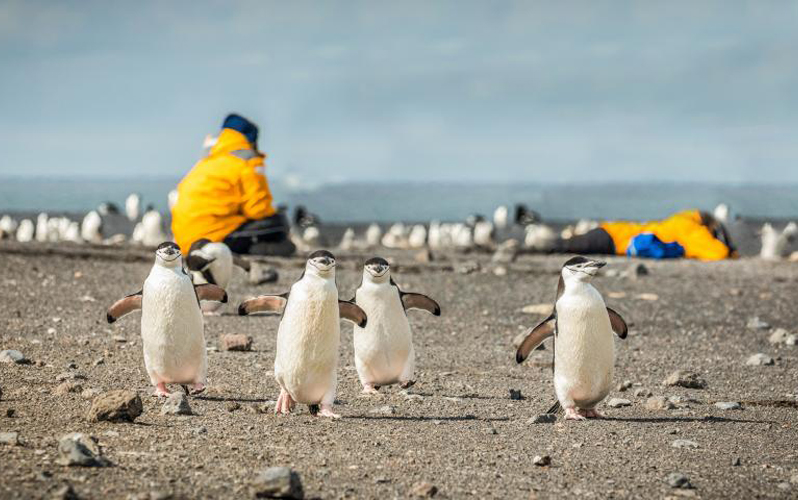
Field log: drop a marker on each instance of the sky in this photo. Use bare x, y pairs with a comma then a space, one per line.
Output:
478, 92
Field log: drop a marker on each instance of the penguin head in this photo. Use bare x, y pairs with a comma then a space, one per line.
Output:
376, 270
168, 254
321, 263
581, 268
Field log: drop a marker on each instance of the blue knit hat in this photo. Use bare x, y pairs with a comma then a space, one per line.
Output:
241, 124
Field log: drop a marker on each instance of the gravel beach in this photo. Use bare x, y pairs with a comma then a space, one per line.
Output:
458, 430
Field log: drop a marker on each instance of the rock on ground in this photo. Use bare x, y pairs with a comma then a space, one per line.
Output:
278, 482
541, 461
423, 490
760, 359
81, 450
115, 406
659, 403
544, 418
618, 402
236, 342
12, 356
678, 480
176, 404
684, 443
682, 378
9, 438
728, 405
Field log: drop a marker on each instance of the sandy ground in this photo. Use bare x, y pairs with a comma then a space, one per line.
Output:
458, 430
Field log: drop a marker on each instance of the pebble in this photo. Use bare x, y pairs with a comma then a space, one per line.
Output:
515, 395
115, 406
467, 267
98, 362
684, 443
199, 430
500, 271
383, 410
544, 418
65, 492
67, 387
623, 386
236, 342
681, 378
232, 406
651, 297
89, 393
659, 403
618, 402
736, 462
541, 461
278, 482
642, 393
176, 404
757, 324
728, 405
760, 359
81, 450
61, 377
12, 356
678, 480
783, 486
424, 490
9, 438
779, 336
541, 309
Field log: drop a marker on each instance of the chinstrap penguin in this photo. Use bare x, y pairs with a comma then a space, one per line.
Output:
384, 352
172, 327
584, 352
309, 335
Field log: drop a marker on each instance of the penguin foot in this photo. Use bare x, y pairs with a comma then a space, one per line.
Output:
284, 403
161, 391
369, 389
407, 384
326, 411
592, 413
573, 414
197, 388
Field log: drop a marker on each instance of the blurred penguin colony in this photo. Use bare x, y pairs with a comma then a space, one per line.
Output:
225, 198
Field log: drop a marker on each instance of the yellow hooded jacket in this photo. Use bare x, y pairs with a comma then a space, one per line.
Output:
223, 190
684, 228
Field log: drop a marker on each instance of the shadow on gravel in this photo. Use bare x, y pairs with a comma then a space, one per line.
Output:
231, 399
673, 420
428, 419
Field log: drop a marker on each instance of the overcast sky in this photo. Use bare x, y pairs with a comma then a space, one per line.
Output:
444, 91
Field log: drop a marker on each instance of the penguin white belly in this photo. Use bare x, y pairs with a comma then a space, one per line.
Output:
307, 342
172, 329
584, 349
383, 347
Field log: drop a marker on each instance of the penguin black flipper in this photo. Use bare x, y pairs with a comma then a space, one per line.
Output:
208, 291
124, 306
352, 312
618, 324
535, 337
241, 262
264, 303
419, 301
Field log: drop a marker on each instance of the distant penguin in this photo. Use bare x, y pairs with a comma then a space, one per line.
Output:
584, 352
473, 219
107, 208
501, 217
722, 213
91, 228
152, 229
133, 206
583, 226
312, 237
396, 237
303, 218
539, 237
8, 227
483, 234
525, 216
72, 233
54, 230
462, 237
434, 235
25, 231
373, 235
348, 240
171, 199
309, 335
774, 242
41, 227
384, 352
417, 237
172, 328
212, 262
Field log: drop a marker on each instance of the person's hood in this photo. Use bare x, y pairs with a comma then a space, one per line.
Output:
230, 140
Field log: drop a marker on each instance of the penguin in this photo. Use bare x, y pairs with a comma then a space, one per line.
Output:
309, 335
212, 262
133, 206
172, 328
484, 232
500, 217
25, 231
91, 227
107, 208
417, 237
347, 240
373, 235
152, 228
584, 352
41, 227
525, 216
8, 227
384, 352
171, 199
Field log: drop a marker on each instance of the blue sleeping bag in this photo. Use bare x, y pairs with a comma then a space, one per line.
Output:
648, 245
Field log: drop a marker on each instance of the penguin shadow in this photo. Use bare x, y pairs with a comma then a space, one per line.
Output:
230, 399
676, 420
428, 418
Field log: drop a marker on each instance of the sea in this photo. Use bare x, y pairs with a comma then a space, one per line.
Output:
386, 202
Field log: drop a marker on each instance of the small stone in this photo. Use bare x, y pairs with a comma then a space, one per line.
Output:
65, 492
500, 271
541, 461
176, 404
12, 356
115, 406
160, 495
792, 339
199, 430
515, 395
81, 450
736, 462
89, 393
10, 412
9, 438
278, 482
784, 486
236, 342
618, 403
779, 336
383, 410
544, 418
259, 274
119, 338
686, 379
650, 297
623, 386
71, 366
659, 403
67, 387
491, 431
684, 443
541, 309
728, 405
69, 376
98, 362
760, 359
232, 406
467, 267
757, 324
423, 490
678, 480
794, 478
642, 393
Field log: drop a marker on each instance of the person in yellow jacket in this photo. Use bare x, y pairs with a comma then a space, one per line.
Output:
226, 197
691, 234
